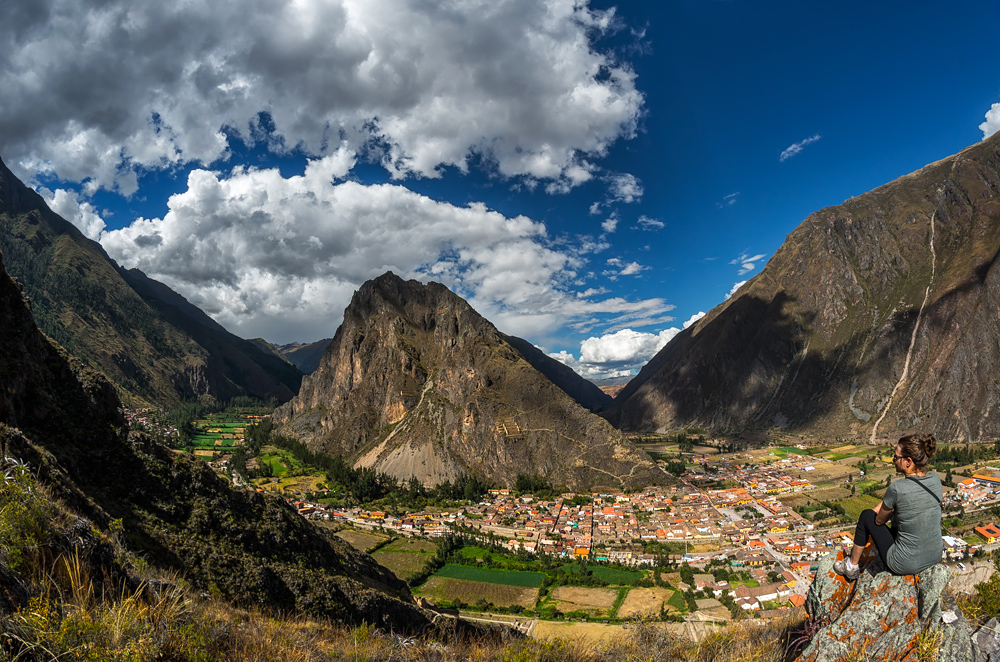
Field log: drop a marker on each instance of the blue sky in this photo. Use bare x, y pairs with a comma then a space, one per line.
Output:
589, 176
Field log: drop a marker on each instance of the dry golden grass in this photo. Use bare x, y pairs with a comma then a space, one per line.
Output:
588, 633
645, 601
87, 624
579, 598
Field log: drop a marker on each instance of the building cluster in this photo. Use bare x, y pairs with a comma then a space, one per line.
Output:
748, 523
150, 420
975, 492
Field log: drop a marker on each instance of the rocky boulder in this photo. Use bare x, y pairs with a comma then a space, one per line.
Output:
887, 616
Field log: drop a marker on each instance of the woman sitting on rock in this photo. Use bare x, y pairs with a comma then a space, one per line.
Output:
914, 543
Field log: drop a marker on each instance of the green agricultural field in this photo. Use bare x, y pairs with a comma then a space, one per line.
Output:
443, 588
411, 546
360, 540
749, 583
488, 576
677, 601
785, 451
614, 576
843, 452
856, 504
402, 564
610, 575
471, 552
274, 460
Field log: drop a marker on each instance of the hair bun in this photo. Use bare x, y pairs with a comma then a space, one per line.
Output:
930, 446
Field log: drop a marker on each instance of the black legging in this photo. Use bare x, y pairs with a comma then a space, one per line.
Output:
882, 535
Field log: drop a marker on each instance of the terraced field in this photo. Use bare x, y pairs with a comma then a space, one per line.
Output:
594, 601
219, 432
490, 576
406, 556
439, 588
360, 540
647, 602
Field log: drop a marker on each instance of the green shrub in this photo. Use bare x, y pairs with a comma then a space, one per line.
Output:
24, 517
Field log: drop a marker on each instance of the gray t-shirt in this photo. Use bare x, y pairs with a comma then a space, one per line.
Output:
918, 524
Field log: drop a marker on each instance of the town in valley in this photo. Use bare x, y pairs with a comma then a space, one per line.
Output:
740, 532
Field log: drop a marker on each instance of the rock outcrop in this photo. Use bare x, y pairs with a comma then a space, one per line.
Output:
874, 317
417, 384
883, 616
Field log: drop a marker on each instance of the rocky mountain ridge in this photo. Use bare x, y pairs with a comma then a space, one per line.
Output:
64, 423
417, 383
154, 345
875, 317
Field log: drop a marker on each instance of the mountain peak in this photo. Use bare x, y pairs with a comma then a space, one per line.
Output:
874, 317
417, 384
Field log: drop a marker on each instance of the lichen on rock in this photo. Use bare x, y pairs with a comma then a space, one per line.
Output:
887, 616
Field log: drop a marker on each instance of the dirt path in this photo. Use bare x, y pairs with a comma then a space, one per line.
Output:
964, 581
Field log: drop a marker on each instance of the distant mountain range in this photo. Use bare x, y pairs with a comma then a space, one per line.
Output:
153, 345
304, 356
417, 384
875, 317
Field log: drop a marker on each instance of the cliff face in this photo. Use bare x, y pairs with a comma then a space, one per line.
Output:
65, 422
874, 317
147, 339
417, 383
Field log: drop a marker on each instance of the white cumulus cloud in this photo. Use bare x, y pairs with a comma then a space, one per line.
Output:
650, 224
694, 318
280, 257
735, 287
992, 123
610, 224
97, 90
624, 188
631, 269
617, 354
80, 213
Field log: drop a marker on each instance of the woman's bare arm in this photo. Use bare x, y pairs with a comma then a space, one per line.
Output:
882, 513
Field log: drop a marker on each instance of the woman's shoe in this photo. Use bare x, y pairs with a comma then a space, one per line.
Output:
840, 567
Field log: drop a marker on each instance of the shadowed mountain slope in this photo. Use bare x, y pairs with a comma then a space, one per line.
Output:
417, 383
147, 339
874, 317
586, 393
65, 422
304, 356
